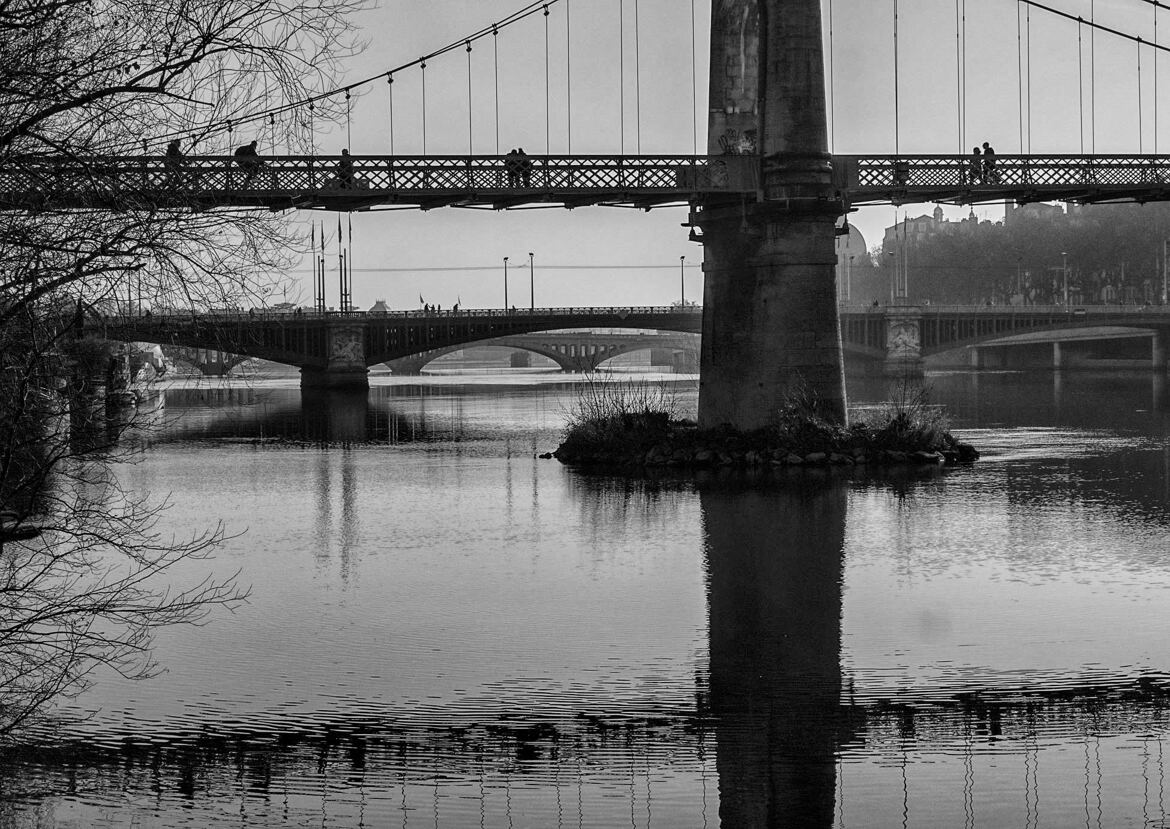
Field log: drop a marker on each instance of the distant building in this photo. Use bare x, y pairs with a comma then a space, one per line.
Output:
910, 232
851, 253
1036, 210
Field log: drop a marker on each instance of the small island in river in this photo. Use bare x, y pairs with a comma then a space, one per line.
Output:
619, 425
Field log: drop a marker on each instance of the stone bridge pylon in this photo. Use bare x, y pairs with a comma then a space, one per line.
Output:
770, 324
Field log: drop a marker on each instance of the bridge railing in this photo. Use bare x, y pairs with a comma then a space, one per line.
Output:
951, 172
233, 316
109, 175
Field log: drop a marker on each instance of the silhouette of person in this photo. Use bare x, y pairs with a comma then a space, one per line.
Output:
512, 165
345, 178
976, 172
249, 161
525, 165
173, 161
989, 173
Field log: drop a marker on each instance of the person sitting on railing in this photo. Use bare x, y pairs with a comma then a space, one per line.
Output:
512, 165
249, 161
173, 161
345, 178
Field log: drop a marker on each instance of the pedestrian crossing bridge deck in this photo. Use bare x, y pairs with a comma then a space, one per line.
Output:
492, 182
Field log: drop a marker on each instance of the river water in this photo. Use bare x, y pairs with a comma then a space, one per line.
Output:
446, 631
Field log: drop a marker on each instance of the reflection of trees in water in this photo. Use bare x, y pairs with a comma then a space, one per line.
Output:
463, 761
381, 415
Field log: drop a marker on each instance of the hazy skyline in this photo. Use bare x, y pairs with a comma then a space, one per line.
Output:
396, 254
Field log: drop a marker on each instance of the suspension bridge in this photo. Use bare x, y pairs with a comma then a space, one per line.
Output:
764, 192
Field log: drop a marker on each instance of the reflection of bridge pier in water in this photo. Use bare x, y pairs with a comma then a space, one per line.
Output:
774, 575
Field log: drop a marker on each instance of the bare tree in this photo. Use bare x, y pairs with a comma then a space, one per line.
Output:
85, 574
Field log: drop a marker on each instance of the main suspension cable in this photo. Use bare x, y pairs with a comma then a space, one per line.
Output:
515, 17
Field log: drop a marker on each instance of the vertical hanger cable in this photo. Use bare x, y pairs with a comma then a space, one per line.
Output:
1093, 78
1080, 85
959, 82
897, 135
348, 126
1020, 70
1141, 145
637, 79
622, 77
470, 137
547, 122
694, 77
390, 94
496, 79
832, 85
568, 84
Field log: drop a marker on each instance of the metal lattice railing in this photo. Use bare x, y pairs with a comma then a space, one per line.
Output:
959, 172
210, 177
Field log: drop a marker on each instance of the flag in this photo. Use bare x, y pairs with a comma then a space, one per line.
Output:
421, 301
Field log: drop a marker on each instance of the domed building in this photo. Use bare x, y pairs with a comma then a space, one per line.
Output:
852, 254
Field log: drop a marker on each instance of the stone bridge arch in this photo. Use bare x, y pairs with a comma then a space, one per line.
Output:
577, 352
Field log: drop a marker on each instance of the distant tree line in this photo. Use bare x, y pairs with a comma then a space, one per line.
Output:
1113, 255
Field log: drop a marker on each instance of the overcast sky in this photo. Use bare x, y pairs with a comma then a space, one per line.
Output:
600, 256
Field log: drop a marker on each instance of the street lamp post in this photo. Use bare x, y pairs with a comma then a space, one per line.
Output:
682, 285
505, 283
849, 280
1064, 268
1165, 270
531, 283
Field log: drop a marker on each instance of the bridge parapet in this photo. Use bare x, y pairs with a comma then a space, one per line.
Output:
126, 182
964, 179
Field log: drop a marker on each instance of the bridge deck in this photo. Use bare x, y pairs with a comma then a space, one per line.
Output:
892, 179
421, 182
426, 182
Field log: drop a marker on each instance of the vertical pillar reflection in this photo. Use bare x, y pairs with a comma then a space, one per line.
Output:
775, 564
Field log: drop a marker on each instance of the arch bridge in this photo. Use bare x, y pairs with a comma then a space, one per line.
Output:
902, 337
335, 349
573, 351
